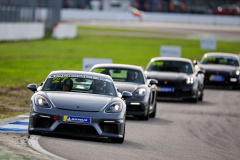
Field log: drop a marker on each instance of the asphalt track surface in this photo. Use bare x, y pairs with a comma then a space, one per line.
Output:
181, 130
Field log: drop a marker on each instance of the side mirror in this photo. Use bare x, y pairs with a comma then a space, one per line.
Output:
146, 76
117, 89
32, 87
41, 83
153, 81
126, 94
200, 72
196, 62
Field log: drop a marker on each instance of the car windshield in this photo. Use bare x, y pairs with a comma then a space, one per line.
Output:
171, 66
80, 84
122, 74
221, 60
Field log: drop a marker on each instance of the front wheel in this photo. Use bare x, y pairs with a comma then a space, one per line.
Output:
153, 114
194, 100
201, 97
145, 117
119, 140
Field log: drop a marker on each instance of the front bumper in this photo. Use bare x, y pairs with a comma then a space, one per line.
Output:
179, 93
137, 106
229, 81
102, 124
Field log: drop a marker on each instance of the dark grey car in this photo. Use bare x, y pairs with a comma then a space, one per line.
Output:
221, 69
177, 79
131, 78
81, 103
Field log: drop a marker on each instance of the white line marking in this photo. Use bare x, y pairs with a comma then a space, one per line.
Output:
33, 143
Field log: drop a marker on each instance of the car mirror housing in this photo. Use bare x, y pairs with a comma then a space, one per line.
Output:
126, 94
153, 81
195, 62
146, 76
200, 72
32, 87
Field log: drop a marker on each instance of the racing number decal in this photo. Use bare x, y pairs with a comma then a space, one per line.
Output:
98, 70
210, 59
157, 63
58, 79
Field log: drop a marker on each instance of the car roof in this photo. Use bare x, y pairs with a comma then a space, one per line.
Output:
127, 66
221, 54
64, 72
171, 59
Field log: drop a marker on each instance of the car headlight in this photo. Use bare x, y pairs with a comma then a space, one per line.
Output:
237, 72
41, 102
189, 80
140, 92
115, 107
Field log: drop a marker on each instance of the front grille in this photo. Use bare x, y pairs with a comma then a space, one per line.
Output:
109, 127
209, 72
170, 83
43, 122
134, 108
176, 93
79, 129
226, 76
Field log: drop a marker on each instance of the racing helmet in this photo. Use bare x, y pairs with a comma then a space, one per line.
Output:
68, 82
98, 83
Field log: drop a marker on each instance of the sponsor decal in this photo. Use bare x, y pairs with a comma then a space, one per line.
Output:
77, 119
62, 78
217, 78
165, 89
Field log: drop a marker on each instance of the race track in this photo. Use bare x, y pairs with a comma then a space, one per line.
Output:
181, 130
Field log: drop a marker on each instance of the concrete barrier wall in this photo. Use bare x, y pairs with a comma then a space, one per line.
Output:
21, 31
76, 14
62, 30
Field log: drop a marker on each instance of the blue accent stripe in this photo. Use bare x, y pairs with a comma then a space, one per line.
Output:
20, 123
14, 130
18, 126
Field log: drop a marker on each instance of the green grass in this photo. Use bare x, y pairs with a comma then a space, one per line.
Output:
24, 62
11, 114
83, 28
6, 112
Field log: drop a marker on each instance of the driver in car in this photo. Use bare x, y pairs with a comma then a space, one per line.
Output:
97, 87
67, 85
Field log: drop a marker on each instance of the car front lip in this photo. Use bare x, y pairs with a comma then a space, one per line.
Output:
227, 81
180, 93
97, 118
137, 109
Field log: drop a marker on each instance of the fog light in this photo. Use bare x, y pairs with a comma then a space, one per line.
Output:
109, 121
233, 79
44, 116
135, 103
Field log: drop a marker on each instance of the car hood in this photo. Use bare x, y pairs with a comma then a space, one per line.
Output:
79, 101
163, 76
126, 86
217, 67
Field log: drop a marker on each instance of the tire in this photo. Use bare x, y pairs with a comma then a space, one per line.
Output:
145, 117
153, 114
201, 97
194, 100
119, 140
34, 133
